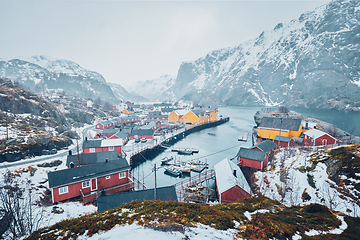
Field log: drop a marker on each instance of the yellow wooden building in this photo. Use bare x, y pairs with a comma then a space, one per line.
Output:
271, 127
193, 116
126, 111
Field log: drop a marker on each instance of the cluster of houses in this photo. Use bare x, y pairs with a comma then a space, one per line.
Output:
273, 133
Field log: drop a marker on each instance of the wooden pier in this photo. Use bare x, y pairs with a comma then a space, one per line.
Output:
193, 180
149, 152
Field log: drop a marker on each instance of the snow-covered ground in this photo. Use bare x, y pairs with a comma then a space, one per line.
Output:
283, 181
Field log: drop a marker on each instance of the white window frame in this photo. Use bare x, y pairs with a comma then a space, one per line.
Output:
85, 184
122, 175
63, 190
111, 148
107, 177
92, 150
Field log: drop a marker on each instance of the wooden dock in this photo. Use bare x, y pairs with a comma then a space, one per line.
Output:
193, 180
244, 137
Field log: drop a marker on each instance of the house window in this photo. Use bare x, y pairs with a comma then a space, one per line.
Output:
86, 184
122, 175
111, 148
63, 190
92, 150
107, 177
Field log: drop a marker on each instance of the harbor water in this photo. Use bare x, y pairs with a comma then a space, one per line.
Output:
221, 142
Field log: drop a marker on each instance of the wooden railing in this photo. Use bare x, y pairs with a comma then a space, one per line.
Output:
194, 180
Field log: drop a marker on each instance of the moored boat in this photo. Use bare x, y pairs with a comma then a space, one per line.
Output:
166, 159
173, 170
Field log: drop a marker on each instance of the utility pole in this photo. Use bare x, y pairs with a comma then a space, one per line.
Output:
6, 122
155, 182
281, 120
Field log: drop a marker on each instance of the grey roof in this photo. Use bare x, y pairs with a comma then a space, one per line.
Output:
92, 143
251, 154
106, 202
121, 134
169, 110
284, 123
282, 139
158, 116
90, 158
199, 111
266, 145
154, 113
77, 174
142, 132
149, 126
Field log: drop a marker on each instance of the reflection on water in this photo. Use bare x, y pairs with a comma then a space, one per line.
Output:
223, 143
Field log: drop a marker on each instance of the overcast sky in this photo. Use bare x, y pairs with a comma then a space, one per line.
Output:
127, 41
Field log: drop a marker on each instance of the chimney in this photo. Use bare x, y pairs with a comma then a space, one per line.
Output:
70, 153
71, 165
234, 173
86, 139
106, 160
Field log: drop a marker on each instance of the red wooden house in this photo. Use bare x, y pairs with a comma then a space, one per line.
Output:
90, 181
230, 182
142, 133
284, 141
315, 137
266, 146
99, 145
252, 158
109, 132
107, 124
120, 135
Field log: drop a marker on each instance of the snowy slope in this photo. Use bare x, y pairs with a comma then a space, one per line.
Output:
41, 73
155, 89
295, 172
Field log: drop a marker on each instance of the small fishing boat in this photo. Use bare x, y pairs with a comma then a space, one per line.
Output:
173, 170
185, 152
166, 159
243, 137
197, 162
185, 168
211, 134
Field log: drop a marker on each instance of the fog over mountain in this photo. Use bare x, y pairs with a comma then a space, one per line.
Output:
312, 61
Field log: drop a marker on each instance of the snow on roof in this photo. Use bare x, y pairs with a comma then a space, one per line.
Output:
111, 142
181, 112
315, 133
225, 178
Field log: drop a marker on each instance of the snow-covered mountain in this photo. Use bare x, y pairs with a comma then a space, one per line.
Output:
155, 89
39, 73
123, 95
312, 61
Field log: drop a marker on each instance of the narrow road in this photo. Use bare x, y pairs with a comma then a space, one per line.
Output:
28, 161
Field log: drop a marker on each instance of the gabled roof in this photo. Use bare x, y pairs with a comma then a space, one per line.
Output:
283, 123
106, 202
142, 132
121, 135
265, 146
251, 154
282, 139
87, 172
181, 112
92, 157
92, 143
315, 133
225, 179
199, 111
149, 126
